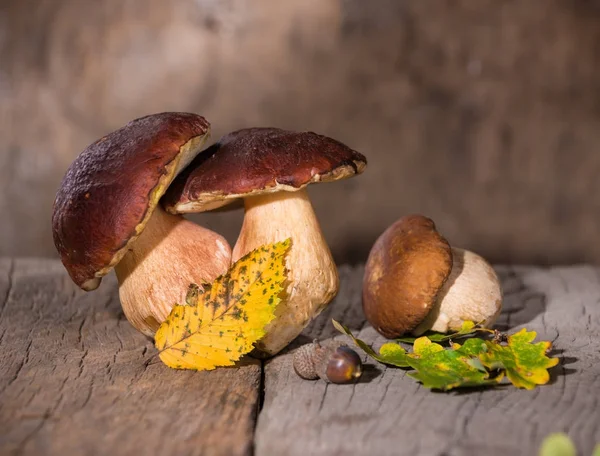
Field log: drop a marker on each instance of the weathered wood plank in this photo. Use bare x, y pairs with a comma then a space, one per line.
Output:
388, 413
73, 378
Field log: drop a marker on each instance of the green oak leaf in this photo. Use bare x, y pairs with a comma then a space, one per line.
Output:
525, 363
477, 362
468, 328
393, 354
471, 347
445, 369
390, 353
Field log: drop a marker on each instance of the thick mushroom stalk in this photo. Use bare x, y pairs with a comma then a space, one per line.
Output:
472, 292
312, 274
155, 273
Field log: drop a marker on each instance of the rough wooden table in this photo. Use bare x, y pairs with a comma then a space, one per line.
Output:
73, 380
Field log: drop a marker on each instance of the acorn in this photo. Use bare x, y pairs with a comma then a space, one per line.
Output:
334, 362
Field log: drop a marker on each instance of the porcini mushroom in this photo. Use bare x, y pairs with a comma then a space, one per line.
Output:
415, 282
270, 168
106, 215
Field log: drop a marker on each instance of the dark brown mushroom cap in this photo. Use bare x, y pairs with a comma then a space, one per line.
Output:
407, 266
109, 192
259, 160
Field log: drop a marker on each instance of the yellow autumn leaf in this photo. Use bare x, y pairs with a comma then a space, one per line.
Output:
230, 315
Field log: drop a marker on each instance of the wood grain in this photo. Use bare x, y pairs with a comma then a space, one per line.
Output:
73, 378
388, 413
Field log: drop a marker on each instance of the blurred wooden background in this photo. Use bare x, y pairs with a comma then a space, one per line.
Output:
482, 114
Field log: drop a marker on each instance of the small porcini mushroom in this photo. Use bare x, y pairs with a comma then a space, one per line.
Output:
269, 169
106, 215
415, 282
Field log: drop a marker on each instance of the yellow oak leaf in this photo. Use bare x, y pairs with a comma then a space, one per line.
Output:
221, 324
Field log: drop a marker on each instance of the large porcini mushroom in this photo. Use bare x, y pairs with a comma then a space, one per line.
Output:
106, 215
415, 282
270, 168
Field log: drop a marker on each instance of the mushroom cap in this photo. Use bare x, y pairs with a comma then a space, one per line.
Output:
254, 161
112, 188
407, 267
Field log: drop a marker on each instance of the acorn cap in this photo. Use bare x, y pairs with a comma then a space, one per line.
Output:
303, 361
254, 161
112, 188
407, 266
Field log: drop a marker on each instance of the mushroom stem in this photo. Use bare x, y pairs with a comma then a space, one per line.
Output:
312, 274
155, 273
471, 292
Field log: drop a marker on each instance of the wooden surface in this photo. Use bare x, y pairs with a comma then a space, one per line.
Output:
388, 413
74, 380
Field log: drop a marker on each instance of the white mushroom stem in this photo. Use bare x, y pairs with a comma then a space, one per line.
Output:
312, 273
471, 292
156, 272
